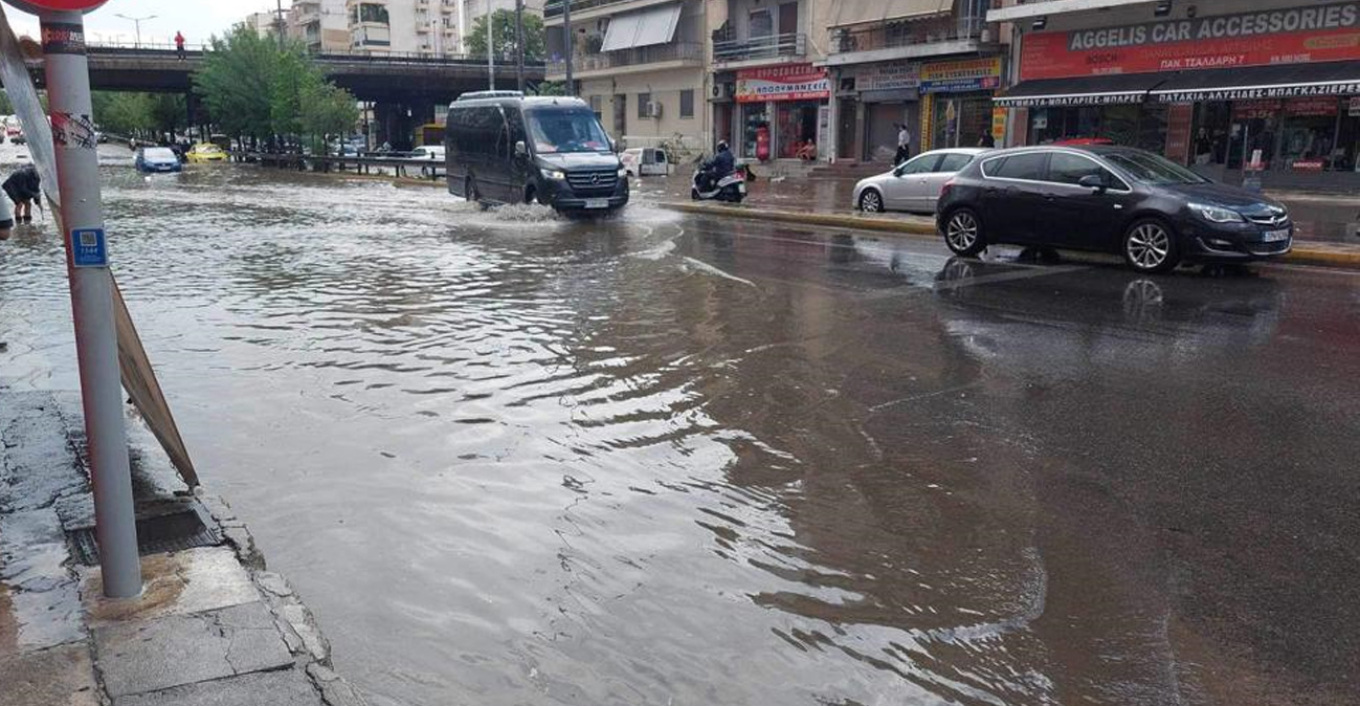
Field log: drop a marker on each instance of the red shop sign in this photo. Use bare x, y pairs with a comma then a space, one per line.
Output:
41, 6
1316, 33
782, 83
1255, 109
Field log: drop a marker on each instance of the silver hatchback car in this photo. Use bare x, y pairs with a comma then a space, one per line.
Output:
915, 184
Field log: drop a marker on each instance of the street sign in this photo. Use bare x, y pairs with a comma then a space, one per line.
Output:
38, 7
88, 248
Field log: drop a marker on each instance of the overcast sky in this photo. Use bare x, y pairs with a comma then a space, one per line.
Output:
197, 19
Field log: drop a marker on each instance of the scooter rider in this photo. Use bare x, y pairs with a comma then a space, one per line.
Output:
722, 164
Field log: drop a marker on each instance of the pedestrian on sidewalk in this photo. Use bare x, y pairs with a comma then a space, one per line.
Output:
987, 140
903, 144
23, 187
179, 46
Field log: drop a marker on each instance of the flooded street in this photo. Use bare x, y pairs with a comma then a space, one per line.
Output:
511, 459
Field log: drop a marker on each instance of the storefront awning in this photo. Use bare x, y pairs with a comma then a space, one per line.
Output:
1281, 81
655, 25
1085, 90
857, 12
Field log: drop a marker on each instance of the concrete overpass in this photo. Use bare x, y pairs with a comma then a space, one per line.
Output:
404, 89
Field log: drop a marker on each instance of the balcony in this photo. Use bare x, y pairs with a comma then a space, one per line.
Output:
585, 9
728, 50
679, 53
907, 40
371, 36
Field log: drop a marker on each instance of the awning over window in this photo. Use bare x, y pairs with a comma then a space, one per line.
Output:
1086, 90
655, 25
856, 12
1281, 81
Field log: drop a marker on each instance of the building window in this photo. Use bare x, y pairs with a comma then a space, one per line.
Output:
597, 107
643, 100
687, 103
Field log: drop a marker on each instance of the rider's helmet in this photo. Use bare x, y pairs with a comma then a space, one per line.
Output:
722, 146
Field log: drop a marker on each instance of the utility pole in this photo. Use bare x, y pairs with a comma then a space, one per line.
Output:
490, 46
519, 44
571, 38
82, 216
279, 24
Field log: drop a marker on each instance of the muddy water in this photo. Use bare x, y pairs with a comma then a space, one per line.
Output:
511, 459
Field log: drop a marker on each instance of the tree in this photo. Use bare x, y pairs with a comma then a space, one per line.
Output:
237, 80
6, 108
327, 109
503, 29
140, 113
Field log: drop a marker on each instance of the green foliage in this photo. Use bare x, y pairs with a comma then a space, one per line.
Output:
6, 108
139, 113
503, 29
552, 88
254, 88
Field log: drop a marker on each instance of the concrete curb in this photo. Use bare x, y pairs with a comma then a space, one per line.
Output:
1338, 255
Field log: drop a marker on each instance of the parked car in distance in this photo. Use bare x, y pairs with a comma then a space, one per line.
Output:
206, 152
1122, 200
915, 184
646, 161
17, 137
435, 154
153, 160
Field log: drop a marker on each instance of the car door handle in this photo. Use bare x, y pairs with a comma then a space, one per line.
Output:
1050, 197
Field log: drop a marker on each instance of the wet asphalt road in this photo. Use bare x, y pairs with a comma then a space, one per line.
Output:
509, 459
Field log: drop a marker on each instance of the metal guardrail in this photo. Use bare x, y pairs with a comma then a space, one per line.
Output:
773, 46
638, 56
365, 163
150, 49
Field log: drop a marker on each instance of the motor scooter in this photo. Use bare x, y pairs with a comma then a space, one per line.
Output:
731, 188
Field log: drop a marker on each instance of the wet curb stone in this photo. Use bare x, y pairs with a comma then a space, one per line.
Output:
214, 627
1336, 255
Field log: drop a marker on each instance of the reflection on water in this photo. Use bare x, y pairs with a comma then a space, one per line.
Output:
516, 459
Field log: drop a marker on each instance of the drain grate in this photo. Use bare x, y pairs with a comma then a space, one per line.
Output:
155, 535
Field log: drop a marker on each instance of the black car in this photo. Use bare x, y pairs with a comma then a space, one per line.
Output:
1109, 199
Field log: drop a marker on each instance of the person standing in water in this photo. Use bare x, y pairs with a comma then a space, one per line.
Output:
23, 187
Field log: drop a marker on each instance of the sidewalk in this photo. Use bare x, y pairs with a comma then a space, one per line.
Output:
1319, 217
213, 627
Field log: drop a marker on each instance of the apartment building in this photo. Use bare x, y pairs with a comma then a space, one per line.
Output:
412, 26
932, 65
322, 25
261, 22
640, 64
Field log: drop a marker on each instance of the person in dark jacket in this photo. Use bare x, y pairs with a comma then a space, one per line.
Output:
23, 187
722, 164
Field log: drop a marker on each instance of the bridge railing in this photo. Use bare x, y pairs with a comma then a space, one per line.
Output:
169, 51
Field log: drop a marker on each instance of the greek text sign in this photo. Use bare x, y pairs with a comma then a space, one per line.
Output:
795, 82
961, 76
1328, 32
40, 6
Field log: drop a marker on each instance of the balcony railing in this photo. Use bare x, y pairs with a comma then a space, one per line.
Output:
902, 34
679, 51
553, 8
774, 46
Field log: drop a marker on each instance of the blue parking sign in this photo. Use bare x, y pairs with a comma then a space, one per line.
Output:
88, 248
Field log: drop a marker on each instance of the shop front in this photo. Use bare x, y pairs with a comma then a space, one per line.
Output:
877, 100
782, 112
956, 108
1275, 91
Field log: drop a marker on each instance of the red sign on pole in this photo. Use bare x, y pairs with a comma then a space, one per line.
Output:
38, 7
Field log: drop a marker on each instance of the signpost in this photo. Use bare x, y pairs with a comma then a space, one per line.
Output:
82, 210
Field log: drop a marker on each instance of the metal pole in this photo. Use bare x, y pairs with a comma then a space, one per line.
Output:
137, 28
490, 46
571, 38
279, 24
68, 81
519, 46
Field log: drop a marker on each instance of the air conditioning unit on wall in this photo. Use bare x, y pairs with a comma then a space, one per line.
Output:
652, 110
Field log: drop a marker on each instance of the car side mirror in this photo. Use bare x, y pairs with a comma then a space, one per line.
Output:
521, 149
1093, 181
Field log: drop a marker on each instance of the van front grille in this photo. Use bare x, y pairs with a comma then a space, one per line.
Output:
593, 183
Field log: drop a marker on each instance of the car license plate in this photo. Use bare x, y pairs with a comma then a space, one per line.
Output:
597, 203
1275, 236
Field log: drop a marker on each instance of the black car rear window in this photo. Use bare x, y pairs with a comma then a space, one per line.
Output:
1029, 165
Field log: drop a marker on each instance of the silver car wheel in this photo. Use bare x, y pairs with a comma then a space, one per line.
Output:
871, 202
962, 231
1148, 246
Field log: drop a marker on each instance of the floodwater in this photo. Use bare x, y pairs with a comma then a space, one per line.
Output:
513, 459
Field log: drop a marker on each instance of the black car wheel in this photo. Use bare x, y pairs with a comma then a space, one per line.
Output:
871, 201
963, 233
1150, 247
